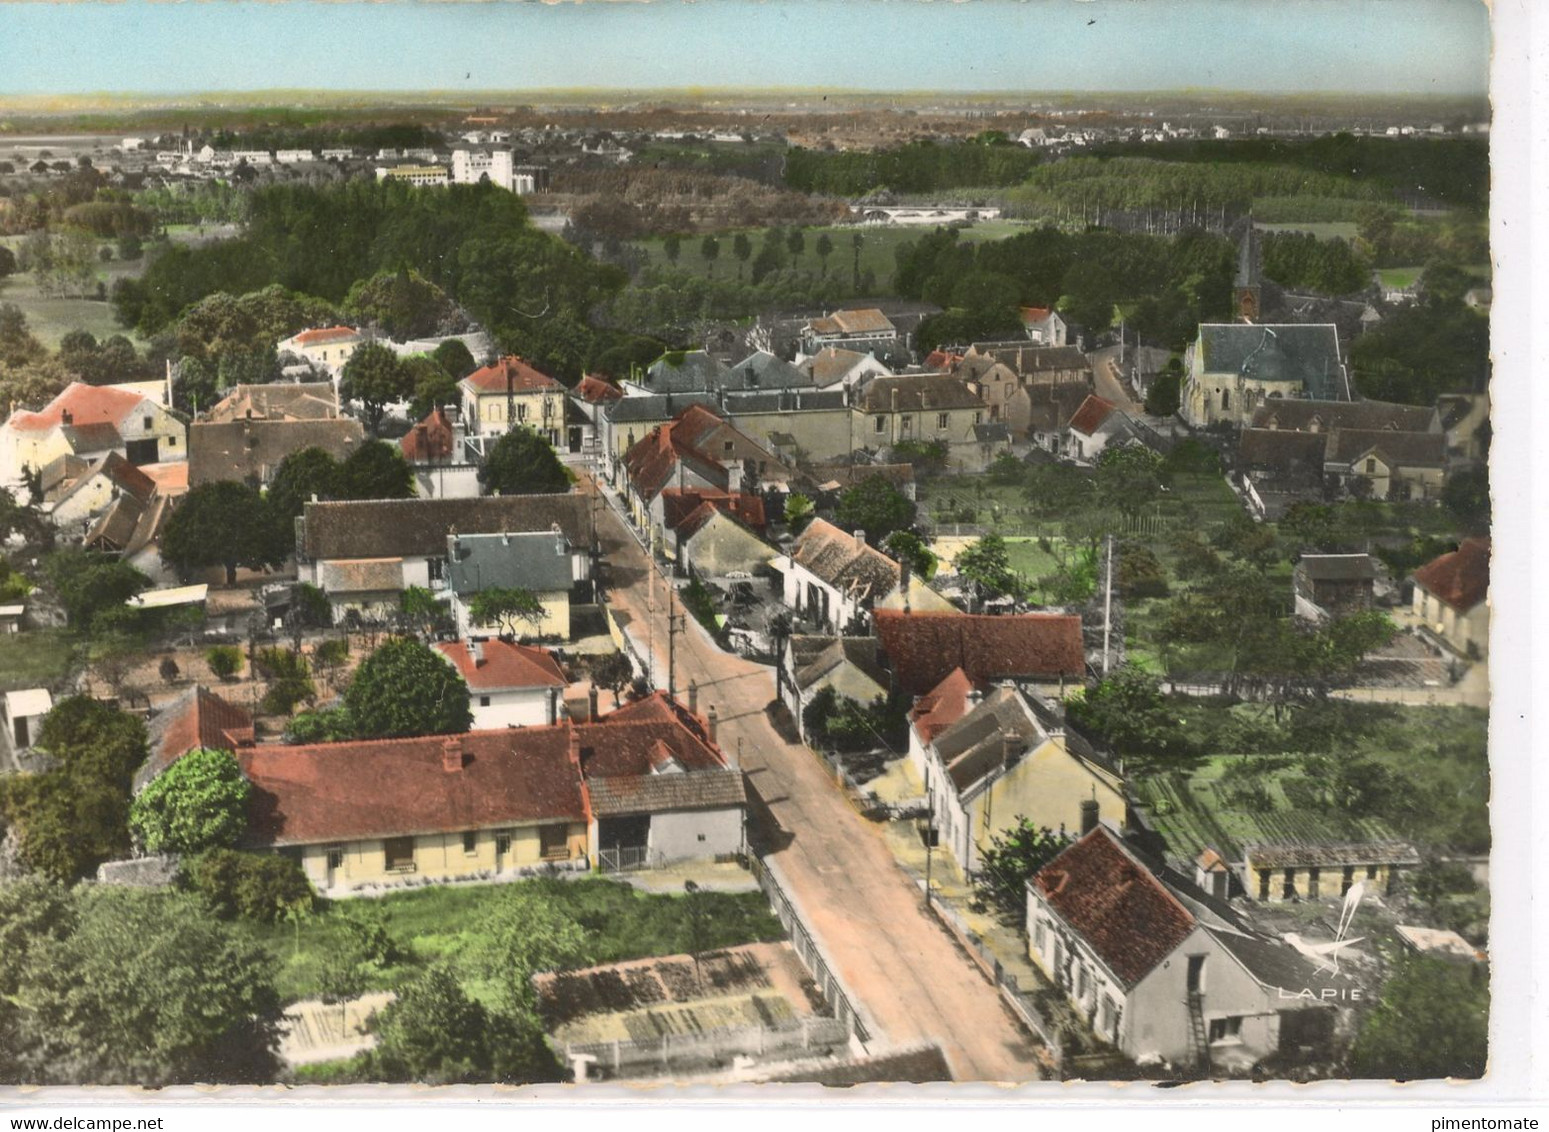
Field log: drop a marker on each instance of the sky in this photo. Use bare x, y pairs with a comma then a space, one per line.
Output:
1278, 46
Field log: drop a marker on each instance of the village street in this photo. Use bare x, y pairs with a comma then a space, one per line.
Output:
908, 973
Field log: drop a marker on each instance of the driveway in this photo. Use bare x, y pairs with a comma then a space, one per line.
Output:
914, 981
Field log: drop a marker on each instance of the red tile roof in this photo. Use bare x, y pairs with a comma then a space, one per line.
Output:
597, 390
505, 665
197, 718
522, 376
1460, 578
324, 334
942, 360
1115, 904
698, 437
91, 407
1091, 415
1035, 314
685, 509
942, 706
397, 787
923, 648
430, 439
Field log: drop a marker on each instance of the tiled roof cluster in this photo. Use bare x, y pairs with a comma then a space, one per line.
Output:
94, 411
497, 665
1091, 415
430, 440
197, 718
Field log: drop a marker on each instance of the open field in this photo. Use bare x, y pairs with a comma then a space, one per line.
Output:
879, 249
51, 318
40, 663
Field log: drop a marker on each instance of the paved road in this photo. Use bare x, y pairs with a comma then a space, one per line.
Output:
909, 974
1106, 377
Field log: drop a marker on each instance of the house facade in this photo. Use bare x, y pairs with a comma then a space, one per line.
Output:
1389, 464
539, 562
835, 579
1095, 425
920, 409
1337, 584
1278, 871
1043, 326
1452, 598
511, 393
90, 421
326, 348
810, 664
864, 329
509, 685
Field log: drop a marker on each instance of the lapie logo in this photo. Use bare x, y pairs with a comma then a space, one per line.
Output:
1327, 954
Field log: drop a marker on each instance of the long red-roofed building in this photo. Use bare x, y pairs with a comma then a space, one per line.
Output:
922, 649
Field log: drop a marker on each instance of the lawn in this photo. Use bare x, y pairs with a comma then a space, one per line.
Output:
39, 658
51, 318
879, 248
435, 923
1400, 278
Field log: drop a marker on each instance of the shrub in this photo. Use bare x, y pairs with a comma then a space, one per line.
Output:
254, 886
291, 680
225, 661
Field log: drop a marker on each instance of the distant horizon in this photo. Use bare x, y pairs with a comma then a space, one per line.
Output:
1310, 48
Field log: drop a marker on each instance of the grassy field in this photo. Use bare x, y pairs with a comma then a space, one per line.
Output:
878, 249
40, 659
1399, 277
436, 923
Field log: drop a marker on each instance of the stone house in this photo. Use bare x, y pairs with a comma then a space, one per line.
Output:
327, 348
1276, 871
251, 451
835, 366
1393, 465
809, 664
1043, 326
73, 503
920, 408
866, 329
1095, 425
836, 580
90, 421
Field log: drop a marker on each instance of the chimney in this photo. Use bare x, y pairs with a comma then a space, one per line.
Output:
905, 577
591, 703
1088, 816
693, 697
712, 717
860, 539
452, 754
1009, 752
66, 417
476, 650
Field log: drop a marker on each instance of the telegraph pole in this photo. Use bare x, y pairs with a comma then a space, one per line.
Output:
1108, 608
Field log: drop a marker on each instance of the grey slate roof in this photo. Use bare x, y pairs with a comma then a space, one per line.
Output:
1302, 415
409, 528
1308, 354
1272, 964
1337, 567
664, 793
537, 561
784, 400
694, 370
814, 657
763, 370
237, 450
1401, 449
655, 407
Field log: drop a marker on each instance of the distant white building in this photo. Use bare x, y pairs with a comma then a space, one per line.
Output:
417, 175
470, 167
294, 156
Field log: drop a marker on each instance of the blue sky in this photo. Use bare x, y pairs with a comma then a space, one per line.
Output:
1407, 46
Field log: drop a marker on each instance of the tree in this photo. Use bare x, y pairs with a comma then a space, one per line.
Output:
90, 584
376, 378
420, 611
906, 546
169, 670
253, 886
799, 511
742, 249
710, 251
433, 386
434, 1034
197, 803
1011, 860
7, 262
987, 565
672, 246
301, 475
613, 672
825, 248
509, 608
796, 243
454, 357
1467, 496
403, 304
224, 524
522, 463
405, 688
1127, 711
225, 661
875, 506
1128, 478
376, 470
522, 933
1166, 393
1431, 1021
147, 989
75, 816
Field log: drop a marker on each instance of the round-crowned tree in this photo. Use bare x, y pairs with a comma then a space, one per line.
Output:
522, 463
197, 803
405, 688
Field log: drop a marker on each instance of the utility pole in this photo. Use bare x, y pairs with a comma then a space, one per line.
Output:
672, 655
930, 832
1108, 608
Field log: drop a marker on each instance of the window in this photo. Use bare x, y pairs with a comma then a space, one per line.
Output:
701, 837
484, 701
907, 423
146, 423
728, 446
171, 442
1225, 1030
470, 843
1313, 875
521, 412
1081, 983
437, 569
1263, 884
1371, 465
979, 417
943, 420
1040, 936
879, 424
1226, 400
334, 856
399, 854
554, 841
503, 844
1371, 872
1106, 1015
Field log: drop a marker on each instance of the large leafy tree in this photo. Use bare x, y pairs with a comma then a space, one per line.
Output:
434, 1034
406, 688
224, 524
522, 463
511, 608
376, 378
455, 359
403, 304
1127, 711
1129, 478
75, 816
987, 565
89, 585
197, 803
906, 546
875, 506
146, 989
1432, 1020
36, 916
376, 470
433, 386
300, 476
1011, 860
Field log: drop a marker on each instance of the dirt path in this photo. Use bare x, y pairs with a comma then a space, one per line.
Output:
910, 975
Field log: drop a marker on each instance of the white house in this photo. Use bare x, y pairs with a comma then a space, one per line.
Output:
1043, 326
1095, 425
325, 347
509, 685
1165, 972
86, 421
834, 579
866, 329
24, 712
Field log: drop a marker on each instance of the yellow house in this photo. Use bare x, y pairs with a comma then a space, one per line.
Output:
512, 393
917, 408
1009, 758
377, 814
539, 562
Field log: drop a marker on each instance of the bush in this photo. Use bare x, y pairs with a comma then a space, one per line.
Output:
253, 886
225, 661
291, 680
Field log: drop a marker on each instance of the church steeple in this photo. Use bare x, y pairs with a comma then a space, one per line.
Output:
1246, 294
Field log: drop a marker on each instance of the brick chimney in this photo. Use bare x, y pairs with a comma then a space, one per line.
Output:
693, 697
1088, 816
712, 717
591, 703
452, 754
